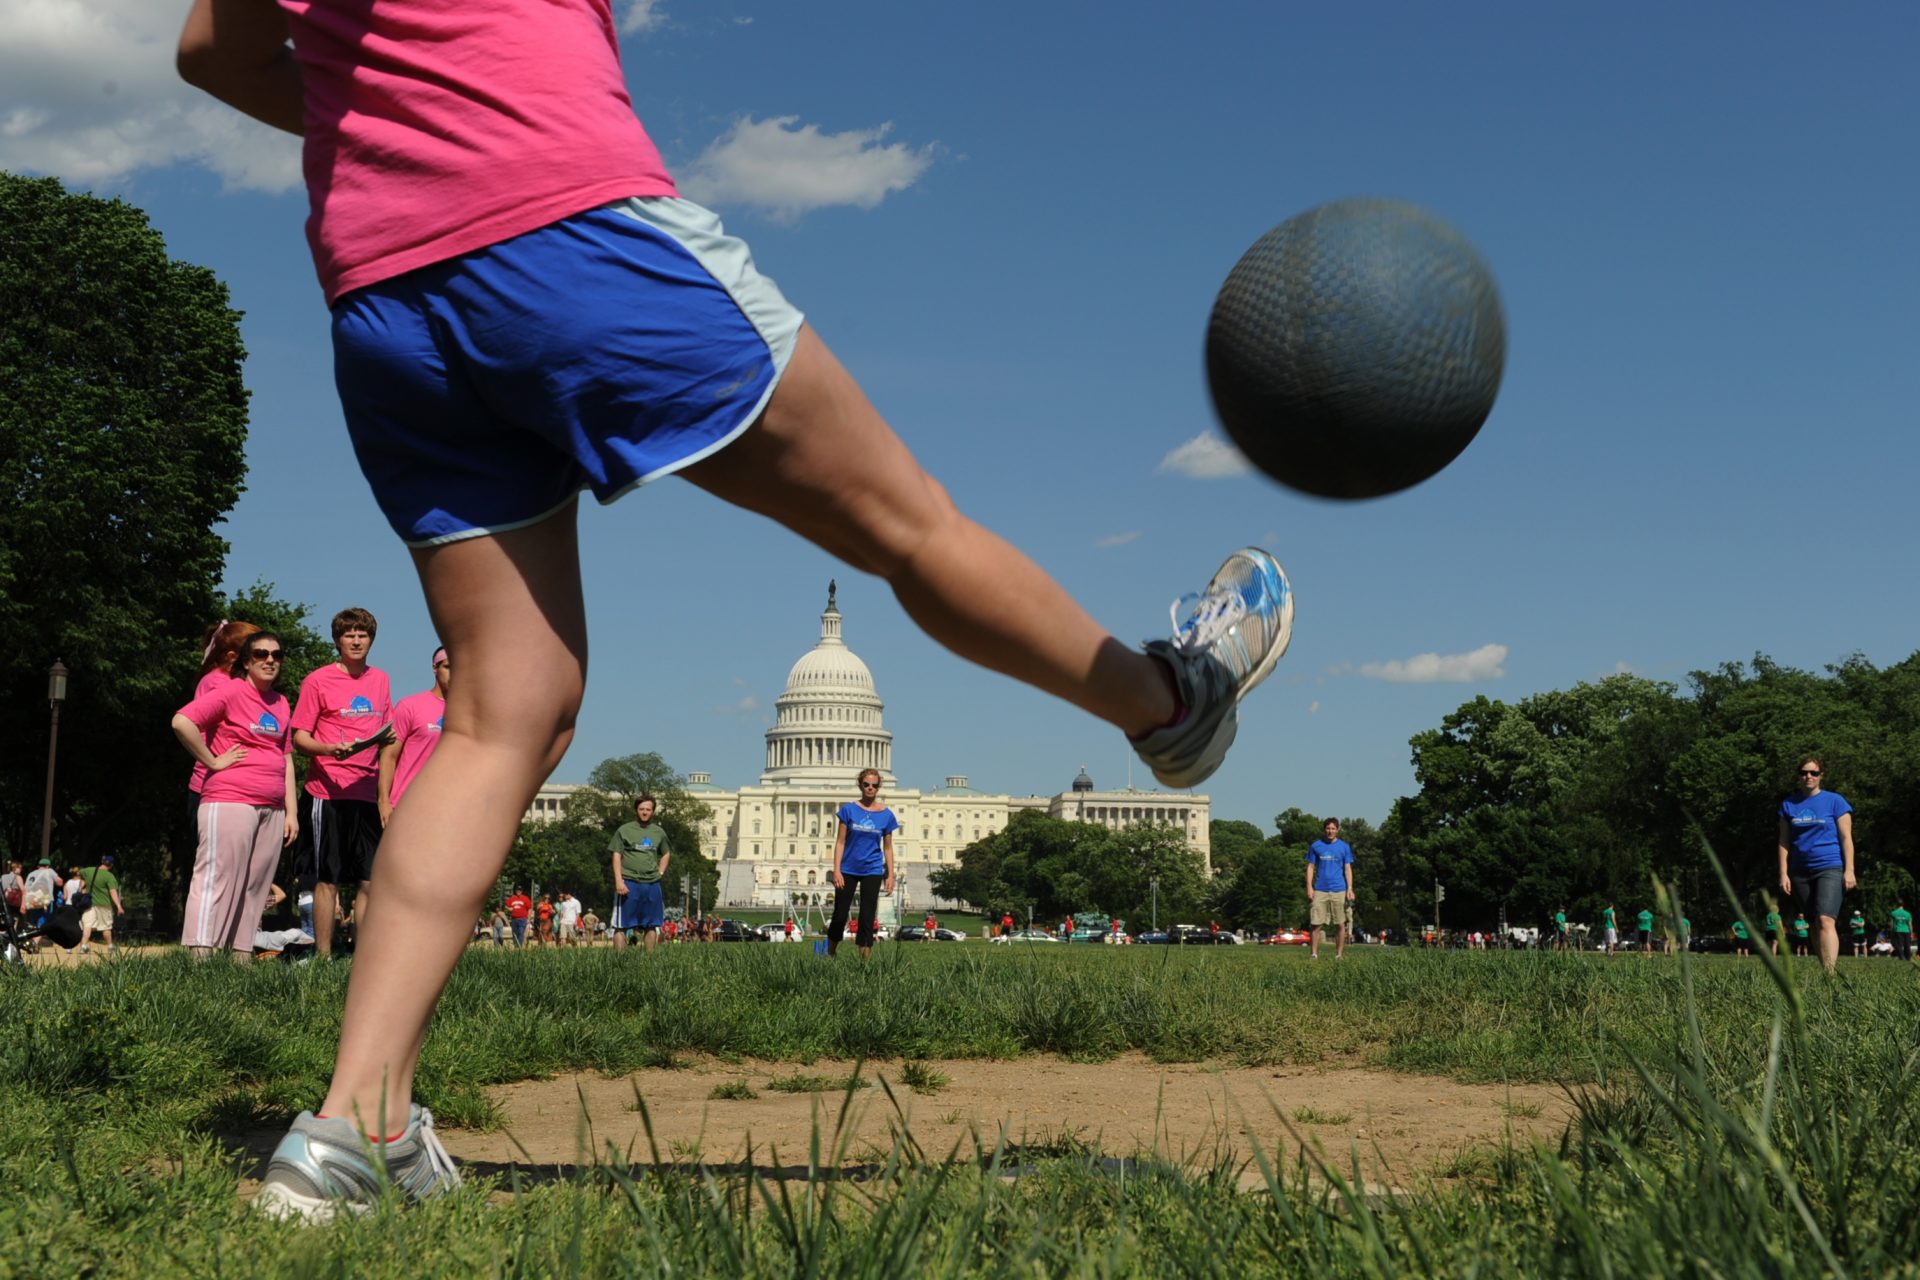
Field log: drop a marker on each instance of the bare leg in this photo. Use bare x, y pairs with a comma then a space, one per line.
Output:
1829, 942
508, 605
326, 910
967, 588
650, 939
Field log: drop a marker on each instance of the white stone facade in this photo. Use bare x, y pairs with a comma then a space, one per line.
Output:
775, 838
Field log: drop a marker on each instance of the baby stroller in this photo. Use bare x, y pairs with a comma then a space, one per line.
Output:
61, 927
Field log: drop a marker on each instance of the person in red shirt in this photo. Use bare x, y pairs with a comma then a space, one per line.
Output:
519, 907
931, 924
1006, 924
789, 928
543, 931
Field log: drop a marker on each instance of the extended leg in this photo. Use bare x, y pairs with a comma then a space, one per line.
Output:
966, 587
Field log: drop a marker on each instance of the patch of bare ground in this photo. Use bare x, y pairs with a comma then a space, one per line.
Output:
1402, 1127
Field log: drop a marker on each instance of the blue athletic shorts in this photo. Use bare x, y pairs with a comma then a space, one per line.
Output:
598, 352
642, 906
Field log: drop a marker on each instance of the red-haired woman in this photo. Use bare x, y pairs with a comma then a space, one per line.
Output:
226, 641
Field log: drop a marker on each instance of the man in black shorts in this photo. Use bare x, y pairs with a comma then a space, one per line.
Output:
343, 715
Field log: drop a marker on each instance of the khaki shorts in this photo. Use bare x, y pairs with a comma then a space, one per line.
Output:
568, 931
98, 918
1330, 909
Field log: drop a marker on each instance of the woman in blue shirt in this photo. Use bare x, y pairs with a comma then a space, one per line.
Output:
1816, 854
862, 862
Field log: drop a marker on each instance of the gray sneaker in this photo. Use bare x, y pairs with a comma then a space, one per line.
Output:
322, 1166
1232, 634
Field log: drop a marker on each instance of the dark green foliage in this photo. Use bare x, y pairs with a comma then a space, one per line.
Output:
1582, 796
1061, 868
122, 443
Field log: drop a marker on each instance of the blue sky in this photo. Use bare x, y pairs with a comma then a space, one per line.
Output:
1010, 220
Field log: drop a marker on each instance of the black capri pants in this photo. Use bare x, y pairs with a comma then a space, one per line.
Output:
868, 887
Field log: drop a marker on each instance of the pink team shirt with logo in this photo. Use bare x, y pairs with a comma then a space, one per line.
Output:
336, 707
437, 127
235, 714
416, 723
214, 679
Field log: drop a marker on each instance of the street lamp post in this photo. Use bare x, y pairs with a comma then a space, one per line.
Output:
56, 694
1154, 884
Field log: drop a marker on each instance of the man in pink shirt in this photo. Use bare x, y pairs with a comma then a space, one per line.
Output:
523, 308
416, 732
342, 709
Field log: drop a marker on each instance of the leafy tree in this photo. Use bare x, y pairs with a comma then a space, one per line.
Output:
1060, 868
122, 444
1231, 842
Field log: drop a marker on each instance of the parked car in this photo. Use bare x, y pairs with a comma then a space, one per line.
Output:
920, 933
1287, 938
737, 931
776, 931
1154, 937
1193, 935
1027, 935
1706, 944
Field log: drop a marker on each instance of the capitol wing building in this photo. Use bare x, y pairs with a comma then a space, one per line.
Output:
773, 841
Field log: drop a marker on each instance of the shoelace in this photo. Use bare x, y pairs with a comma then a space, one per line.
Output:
1214, 616
437, 1158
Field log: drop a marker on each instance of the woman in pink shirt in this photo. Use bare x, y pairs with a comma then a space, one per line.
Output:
237, 730
225, 642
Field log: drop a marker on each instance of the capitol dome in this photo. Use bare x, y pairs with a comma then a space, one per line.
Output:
827, 722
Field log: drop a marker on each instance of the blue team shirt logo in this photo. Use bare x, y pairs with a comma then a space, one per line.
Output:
435, 726
867, 825
360, 706
646, 842
268, 725
1807, 818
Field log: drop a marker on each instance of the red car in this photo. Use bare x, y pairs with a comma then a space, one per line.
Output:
1286, 938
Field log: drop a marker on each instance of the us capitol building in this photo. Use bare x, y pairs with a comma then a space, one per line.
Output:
775, 839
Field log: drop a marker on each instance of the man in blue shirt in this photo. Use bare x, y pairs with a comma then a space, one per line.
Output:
1330, 887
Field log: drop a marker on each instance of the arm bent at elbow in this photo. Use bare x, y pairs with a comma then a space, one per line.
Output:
237, 51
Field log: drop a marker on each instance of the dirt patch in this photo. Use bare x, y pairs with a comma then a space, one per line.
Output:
1403, 1126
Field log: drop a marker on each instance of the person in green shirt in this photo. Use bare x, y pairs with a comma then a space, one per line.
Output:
1686, 935
1645, 920
1612, 927
1773, 931
1902, 931
103, 892
1800, 945
1740, 940
1560, 929
1859, 926
640, 858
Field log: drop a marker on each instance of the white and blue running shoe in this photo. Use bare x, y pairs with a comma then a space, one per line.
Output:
323, 1166
1225, 641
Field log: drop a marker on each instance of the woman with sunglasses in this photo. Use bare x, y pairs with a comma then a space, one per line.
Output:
226, 641
1816, 854
239, 732
862, 863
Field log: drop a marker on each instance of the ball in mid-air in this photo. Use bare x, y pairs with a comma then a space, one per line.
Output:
1355, 349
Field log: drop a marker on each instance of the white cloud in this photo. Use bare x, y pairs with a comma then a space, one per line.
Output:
746, 706
640, 15
1313, 708
1116, 539
88, 93
1488, 662
1206, 457
788, 168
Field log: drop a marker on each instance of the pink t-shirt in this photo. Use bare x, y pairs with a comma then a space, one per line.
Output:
214, 679
234, 713
436, 127
416, 724
336, 707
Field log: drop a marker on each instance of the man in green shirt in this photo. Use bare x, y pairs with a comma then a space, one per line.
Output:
1740, 940
1686, 935
1800, 947
1859, 926
640, 858
103, 888
1560, 929
1645, 920
1612, 927
1902, 931
1773, 931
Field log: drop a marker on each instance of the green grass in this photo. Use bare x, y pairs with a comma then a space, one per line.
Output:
922, 1077
1313, 1115
1732, 1118
803, 1083
733, 1091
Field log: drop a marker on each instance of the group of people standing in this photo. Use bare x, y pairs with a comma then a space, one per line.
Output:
243, 734
94, 892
